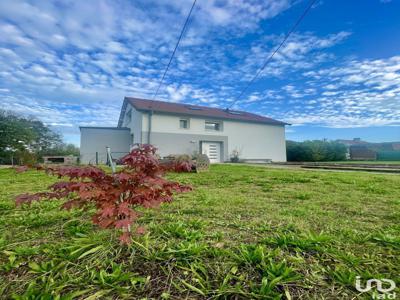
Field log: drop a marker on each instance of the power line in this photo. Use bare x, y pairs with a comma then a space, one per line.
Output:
176, 47
269, 59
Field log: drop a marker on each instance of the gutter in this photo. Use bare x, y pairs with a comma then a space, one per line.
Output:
149, 129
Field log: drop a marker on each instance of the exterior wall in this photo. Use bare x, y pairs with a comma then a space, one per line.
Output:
134, 123
181, 143
170, 124
256, 141
96, 139
252, 140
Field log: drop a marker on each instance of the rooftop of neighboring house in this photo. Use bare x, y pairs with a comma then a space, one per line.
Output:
194, 110
354, 141
390, 146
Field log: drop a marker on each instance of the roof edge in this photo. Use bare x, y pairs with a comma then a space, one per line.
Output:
128, 100
103, 127
276, 123
122, 113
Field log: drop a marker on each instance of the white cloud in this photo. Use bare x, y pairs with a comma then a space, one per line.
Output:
61, 62
301, 51
64, 50
241, 13
364, 93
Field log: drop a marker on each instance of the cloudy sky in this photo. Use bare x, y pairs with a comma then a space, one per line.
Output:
70, 63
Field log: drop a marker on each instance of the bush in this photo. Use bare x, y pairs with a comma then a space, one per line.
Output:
115, 196
315, 151
178, 163
235, 156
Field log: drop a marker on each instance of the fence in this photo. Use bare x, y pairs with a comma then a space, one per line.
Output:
100, 158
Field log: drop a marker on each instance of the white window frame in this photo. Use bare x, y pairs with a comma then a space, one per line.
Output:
220, 125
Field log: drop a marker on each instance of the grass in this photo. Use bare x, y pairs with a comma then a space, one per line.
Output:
244, 233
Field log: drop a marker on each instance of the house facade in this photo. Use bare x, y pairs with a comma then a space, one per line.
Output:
187, 129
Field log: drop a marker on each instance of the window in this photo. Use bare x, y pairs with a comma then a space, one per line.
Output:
184, 123
215, 126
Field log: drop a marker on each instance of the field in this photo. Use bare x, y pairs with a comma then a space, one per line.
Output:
244, 232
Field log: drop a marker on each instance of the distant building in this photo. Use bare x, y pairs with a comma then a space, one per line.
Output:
63, 160
349, 143
361, 152
354, 141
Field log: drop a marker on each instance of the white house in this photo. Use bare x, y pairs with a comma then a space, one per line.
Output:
176, 128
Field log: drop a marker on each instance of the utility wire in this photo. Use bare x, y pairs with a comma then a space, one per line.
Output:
176, 47
269, 59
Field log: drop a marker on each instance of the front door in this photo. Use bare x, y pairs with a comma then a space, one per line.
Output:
212, 150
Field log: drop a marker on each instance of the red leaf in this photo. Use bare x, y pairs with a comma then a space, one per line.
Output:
25, 198
104, 222
123, 177
124, 209
140, 230
125, 238
21, 169
107, 211
124, 223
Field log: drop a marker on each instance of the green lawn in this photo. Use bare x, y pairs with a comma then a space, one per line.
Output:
244, 233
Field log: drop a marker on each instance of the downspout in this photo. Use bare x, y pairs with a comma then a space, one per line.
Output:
149, 129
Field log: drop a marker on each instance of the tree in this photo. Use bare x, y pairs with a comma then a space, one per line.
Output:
115, 196
15, 137
14, 134
45, 138
27, 139
315, 151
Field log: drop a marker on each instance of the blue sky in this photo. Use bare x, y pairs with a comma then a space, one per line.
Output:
70, 63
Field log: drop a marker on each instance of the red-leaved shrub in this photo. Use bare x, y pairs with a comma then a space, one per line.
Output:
116, 196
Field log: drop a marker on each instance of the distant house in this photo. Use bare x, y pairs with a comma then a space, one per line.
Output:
186, 129
350, 144
354, 141
362, 152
